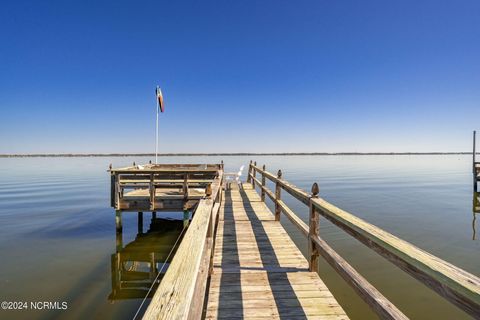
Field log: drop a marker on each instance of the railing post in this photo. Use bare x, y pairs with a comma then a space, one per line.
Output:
254, 174
152, 191
313, 231
278, 188
263, 184
112, 187
185, 187
249, 179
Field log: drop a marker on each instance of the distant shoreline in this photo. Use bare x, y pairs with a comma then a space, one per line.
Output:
68, 155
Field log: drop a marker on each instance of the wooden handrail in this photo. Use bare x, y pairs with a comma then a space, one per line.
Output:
181, 292
293, 190
456, 285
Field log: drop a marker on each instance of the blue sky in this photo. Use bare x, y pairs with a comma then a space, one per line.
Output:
239, 76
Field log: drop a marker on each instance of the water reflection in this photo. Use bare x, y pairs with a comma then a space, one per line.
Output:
135, 266
476, 209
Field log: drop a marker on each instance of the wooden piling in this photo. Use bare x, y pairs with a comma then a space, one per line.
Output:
254, 174
118, 220
249, 178
313, 231
140, 223
263, 185
278, 196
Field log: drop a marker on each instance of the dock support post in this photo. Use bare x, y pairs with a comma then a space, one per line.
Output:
140, 222
263, 184
118, 241
474, 151
154, 215
474, 160
313, 232
118, 220
186, 218
249, 179
152, 191
278, 197
153, 267
112, 187
254, 174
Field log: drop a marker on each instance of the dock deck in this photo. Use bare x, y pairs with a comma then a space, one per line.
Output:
258, 272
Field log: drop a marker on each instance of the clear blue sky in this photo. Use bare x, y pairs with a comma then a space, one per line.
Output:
239, 76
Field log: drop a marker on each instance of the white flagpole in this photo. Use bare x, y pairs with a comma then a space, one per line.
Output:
156, 135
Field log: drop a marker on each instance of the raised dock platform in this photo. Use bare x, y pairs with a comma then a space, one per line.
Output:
258, 272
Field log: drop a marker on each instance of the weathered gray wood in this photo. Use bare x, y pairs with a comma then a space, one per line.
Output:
258, 270
176, 292
118, 220
263, 185
474, 151
254, 174
112, 190
293, 190
152, 187
302, 226
381, 305
456, 285
278, 196
249, 178
181, 292
313, 231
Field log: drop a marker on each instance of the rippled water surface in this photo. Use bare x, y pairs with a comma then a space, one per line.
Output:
58, 240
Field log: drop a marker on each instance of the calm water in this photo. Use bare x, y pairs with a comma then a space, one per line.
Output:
58, 240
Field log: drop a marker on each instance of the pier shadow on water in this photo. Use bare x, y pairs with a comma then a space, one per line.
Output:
136, 265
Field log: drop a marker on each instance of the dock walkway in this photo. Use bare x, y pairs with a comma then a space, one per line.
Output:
258, 272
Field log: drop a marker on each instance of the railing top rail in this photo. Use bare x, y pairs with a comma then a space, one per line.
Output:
295, 191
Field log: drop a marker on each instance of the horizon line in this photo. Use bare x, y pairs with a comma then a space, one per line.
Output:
66, 155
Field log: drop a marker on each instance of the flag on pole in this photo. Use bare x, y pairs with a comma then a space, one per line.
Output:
160, 99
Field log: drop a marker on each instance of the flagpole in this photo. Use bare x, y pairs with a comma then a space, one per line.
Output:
156, 136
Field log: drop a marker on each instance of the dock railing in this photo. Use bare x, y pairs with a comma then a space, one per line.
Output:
181, 292
454, 284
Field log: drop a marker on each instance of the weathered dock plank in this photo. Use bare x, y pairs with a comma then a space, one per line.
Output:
258, 272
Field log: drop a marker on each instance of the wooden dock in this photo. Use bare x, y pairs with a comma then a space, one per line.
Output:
258, 272
236, 261
475, 164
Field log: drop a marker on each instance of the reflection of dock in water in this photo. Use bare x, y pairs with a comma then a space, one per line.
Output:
135, 266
